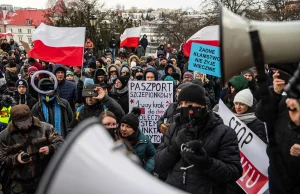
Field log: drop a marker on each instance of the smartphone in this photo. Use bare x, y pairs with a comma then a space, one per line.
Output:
282, 75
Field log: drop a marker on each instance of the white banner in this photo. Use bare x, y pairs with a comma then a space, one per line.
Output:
254, 158
153, 97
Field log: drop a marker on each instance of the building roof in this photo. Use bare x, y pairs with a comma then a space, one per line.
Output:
20, 17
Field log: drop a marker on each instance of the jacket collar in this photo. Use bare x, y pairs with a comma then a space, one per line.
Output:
12, 128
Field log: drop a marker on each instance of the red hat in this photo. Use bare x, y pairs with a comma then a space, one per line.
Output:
32, 69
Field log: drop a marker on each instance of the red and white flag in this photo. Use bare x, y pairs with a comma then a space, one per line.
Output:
208, 35
6, 34
131, 37
62, 45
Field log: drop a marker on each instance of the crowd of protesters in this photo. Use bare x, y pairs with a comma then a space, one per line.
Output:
31, 122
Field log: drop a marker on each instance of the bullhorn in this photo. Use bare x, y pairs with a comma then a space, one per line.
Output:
245, 43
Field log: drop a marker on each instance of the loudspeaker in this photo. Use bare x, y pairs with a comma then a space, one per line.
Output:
280, 42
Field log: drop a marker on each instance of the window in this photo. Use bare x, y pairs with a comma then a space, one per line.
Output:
11, 30
28, 22
29, 31
29, 40
20, 37
19, 30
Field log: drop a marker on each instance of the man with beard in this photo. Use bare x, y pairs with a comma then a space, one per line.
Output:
95, 101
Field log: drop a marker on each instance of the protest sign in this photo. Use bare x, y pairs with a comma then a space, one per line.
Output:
253, 154
205, 59
153, 97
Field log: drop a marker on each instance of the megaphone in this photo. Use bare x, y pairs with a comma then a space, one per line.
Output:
280, 42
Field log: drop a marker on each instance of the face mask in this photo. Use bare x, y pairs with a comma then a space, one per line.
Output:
139, 77
111, 131
192, 113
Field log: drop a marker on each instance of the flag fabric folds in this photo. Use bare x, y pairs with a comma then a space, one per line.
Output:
130, 37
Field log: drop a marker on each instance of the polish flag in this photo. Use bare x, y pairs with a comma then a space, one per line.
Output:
6, 34
131, 37
62, 45
208, 35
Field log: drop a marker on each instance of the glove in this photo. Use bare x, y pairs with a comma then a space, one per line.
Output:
184, 135
196, 154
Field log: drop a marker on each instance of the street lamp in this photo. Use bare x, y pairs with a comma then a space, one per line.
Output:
93, 19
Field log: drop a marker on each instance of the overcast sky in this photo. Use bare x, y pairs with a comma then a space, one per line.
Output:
172, 4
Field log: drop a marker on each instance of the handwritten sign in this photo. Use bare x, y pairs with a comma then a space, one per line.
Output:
153, 97
205, 59
254, 159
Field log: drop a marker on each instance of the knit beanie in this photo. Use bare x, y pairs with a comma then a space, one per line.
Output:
88, 81
21, 82
193, 93
181, 86
92, 65
70, 73
32, 69
248, 71
238, 82
132, 119
244, 96
188, 74
124, 80
143, 58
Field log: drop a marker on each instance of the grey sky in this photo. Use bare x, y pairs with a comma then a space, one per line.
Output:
172, 4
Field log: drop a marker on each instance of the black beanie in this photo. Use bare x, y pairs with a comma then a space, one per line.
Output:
124, 80
193, 93
21, 82
132, 119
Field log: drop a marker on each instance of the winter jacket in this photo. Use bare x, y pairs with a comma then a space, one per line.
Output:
86, 111
12, 142
172, 56
258, 127
284, 168
144, 42
139, 51
5, 47
65, 109
220, 143
11, 74
68, 91
112, 44
169, 115
121, 96
13, 45
97, 73
145, 151
26, 99
137, 59
6, 103
166, 71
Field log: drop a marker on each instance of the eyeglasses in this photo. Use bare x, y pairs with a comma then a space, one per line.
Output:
110, 124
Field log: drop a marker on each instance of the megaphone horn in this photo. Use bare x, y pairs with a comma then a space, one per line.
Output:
279, 41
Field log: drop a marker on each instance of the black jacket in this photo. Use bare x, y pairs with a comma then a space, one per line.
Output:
121, 96
26, 99
169, 115
284, 167
220, 143
86, 111
66, 114
258, 127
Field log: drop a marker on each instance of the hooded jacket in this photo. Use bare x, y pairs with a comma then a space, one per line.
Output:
66, 89
125, 67
140, 51
111, 80
6, 103
144, 42
97, 73
11, 74
166, 71
137, 59
26, 98
220, 143
121, 96
239, 83
252, 84
150, 70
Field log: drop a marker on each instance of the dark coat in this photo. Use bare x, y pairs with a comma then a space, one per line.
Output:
12, 141
220, 143
66, 114
68, 91
283, 167
11, 74
86, 111
258, 127
144, 42
121, 96
166, 71
26, 99
139, 51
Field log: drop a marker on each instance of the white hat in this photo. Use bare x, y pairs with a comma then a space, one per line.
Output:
133, 64
244, 96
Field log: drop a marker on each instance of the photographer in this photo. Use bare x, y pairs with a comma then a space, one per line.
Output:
26, 146
200, 153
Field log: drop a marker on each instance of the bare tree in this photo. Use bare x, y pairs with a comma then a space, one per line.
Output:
282, 10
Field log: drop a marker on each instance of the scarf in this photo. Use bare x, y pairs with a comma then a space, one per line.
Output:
246, 118
22, 99
57, 113
134, 138
119, 91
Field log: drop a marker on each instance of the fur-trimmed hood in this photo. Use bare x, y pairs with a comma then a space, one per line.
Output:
138, 61
125, 67
110, 66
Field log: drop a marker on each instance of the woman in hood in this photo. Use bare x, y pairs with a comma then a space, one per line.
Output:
113, 73
134, 58
119, 92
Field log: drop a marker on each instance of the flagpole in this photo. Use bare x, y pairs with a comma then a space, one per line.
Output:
82, 56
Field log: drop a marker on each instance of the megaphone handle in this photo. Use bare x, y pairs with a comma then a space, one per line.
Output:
258, 55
